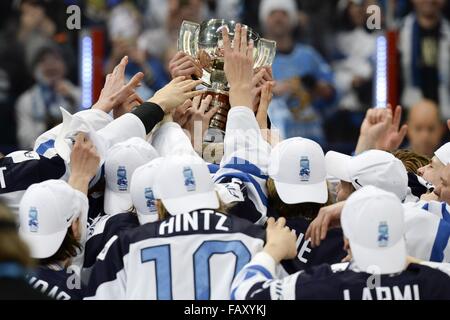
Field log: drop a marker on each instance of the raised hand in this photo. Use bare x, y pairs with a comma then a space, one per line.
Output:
175, 93
115, 91
281, 241
184, 65
84, 162
238, 66
380, 130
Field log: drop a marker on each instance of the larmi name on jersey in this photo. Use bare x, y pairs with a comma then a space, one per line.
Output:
409, 292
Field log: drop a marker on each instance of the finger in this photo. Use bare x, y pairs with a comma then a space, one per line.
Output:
186, 65
193, 94
324, 227
196, 102
134, 82
402, 132
226, 40
250, 50
237, 38
270, 222
281, 222
308, 231
191, 84
258, 77
182, 60
205, 104
243, 39
448, 124
179, 57
79, 139
316, 235
120, 68
178, 79
212, 112
397, 116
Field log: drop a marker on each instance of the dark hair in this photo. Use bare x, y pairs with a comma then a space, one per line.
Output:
307, 210
67, 250
49, 48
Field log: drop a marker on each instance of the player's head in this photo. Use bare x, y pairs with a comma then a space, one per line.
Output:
12, 247
277, 16
121, 161
142, 191
297, 183
184, 184
53, 217
374, 167
432, 172
411, 160
443, 188
425, 128
373, 224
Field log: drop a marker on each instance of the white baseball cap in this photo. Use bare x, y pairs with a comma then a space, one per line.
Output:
46, 211
443, 154
373, 167
121, 161
184, 184
141, 190
297, 166
373, 221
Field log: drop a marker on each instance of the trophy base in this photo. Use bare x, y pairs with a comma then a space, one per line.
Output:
219, 99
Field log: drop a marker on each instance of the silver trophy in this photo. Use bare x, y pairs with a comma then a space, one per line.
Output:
204, 43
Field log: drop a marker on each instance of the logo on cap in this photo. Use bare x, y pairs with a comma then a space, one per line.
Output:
33, 220
304, 169
383, 234
150, 198
122, 181
189, 181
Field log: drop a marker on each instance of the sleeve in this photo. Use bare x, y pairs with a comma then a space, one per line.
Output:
256, 281
108, 277
436, 208
44, 144
245, 161
170, 139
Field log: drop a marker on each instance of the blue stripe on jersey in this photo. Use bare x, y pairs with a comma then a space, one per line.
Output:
213, 168
445, 214
441, 241
425, 206
244, 177
259, 269
43, 147
245, 166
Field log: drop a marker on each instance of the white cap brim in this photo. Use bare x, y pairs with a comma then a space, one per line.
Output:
337, 165
205, 200
116, 202
296, 193
384, 260
43, 246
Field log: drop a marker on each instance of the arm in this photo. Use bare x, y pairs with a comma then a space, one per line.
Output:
257, 279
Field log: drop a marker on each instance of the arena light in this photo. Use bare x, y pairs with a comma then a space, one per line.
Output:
381, 73
86, 70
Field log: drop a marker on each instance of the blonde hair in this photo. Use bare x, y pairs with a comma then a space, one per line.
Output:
164, 214
12, 247
411, 160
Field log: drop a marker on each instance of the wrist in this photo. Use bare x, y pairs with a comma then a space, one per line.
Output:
79, 182
160, 102
273, 251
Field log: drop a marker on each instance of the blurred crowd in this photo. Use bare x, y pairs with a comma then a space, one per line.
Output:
324, 66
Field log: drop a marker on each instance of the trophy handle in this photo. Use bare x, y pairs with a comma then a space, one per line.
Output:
188, 38
265, 53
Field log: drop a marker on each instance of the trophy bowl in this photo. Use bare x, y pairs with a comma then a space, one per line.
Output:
204, 43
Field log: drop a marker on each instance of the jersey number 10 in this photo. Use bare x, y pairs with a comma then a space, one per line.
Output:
162, 258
